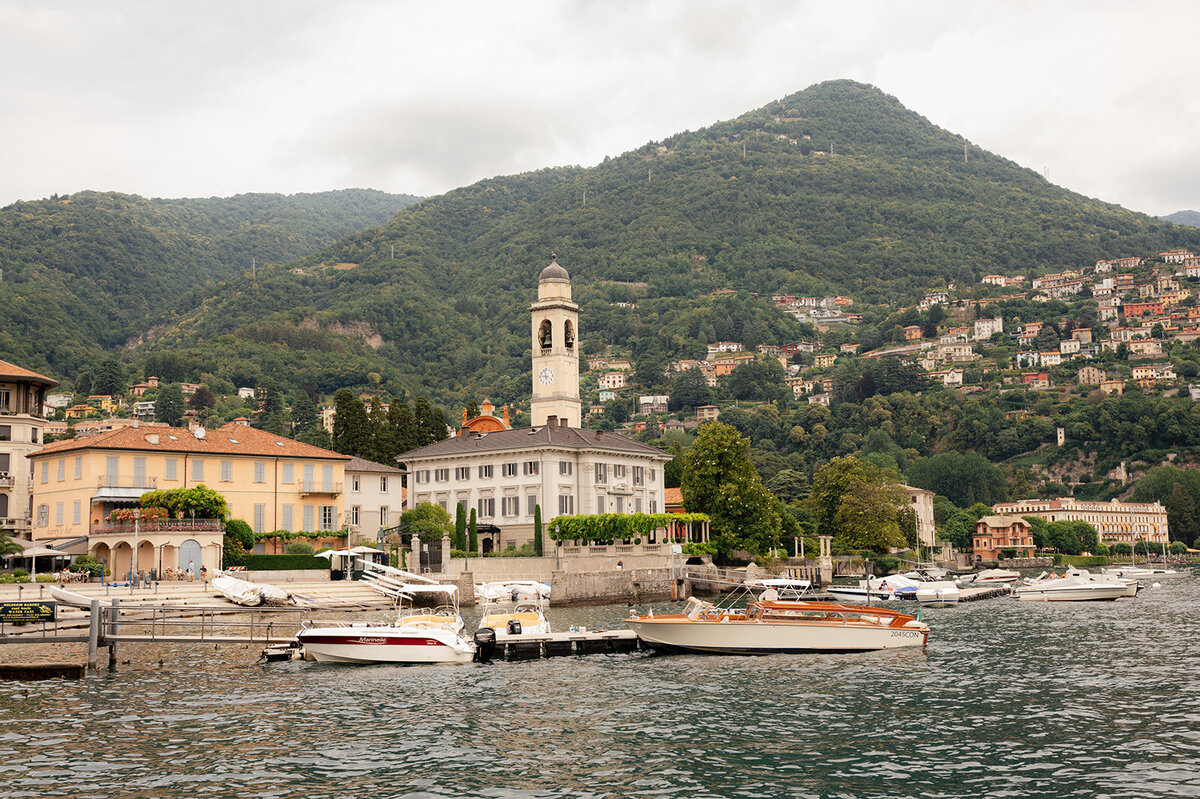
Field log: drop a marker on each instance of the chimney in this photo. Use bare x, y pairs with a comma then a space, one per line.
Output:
599, 434
551, 422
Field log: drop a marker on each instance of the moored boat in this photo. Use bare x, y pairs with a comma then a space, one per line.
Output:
765, 627
244, 592
1071, 588
525, 618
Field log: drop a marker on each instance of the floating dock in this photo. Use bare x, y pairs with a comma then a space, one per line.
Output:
984, 592
547, 645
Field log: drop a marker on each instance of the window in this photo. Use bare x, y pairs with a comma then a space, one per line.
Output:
485, 472
260, 472
442, 504
327, 477
618, 470
600, 506
4, 464
354, 482
566, 467
62, 470
637, 504
58, 513
308, 478
76, 512
639, 475
171, 469
288, 517
421, 475
79, 468
651, 470
508, 470
510, 506
289, 472
226, 471
442, 475
531, 468
197, 470
383, 517
530, 505
486, 507
45, 471
383, 481
354, 516
5, 432
620, 504
654, 506
566, 504
308, 517
260, 516
462, 472
139, 473
601, 473
43, 516
328, 517
5, 399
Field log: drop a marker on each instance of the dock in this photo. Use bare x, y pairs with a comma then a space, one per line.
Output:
984, 592
547, 645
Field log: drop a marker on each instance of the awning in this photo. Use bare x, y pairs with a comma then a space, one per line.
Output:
113, 494
33, 550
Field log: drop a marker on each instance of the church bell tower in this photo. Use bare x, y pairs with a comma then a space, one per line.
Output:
555, 326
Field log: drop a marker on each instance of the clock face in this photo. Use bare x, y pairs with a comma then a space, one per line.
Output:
546, 376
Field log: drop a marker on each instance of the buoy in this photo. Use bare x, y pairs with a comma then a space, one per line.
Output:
1156, 585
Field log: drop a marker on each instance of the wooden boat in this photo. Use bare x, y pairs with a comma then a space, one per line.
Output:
773, 626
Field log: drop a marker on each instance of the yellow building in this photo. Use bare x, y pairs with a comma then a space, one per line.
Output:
1116, 522
270, 481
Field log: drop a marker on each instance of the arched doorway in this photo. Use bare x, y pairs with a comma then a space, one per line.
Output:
486, 545
102, 553
189, 551
3, 506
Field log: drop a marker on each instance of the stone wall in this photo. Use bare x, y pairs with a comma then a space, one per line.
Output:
616, 585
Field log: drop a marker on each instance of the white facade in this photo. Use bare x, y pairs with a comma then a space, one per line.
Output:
21, 428
986, 328
554, 320
374, 499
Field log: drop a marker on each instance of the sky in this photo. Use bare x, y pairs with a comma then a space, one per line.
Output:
189, 99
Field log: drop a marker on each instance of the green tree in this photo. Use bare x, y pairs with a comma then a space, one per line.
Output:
690, 390
859, 505
472, 534
272, 412
537, 530
110, 378
719, 479
8, 546
426, 520
351, 429
169, 406
199, 502
460, 527
788, 485
1181, 515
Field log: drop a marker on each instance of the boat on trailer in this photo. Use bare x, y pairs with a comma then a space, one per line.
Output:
766, 627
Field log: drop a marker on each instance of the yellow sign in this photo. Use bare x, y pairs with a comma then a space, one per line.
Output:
11, 612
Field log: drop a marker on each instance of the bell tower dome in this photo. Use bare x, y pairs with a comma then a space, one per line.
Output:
555, 329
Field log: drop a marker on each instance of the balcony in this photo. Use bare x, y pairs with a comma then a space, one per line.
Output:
183, 526
6, 481
308, 487
125, 481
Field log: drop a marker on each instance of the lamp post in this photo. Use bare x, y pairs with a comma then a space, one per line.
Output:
137, 515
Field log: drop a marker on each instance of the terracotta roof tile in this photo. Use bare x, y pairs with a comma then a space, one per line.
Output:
12, 370
232, 439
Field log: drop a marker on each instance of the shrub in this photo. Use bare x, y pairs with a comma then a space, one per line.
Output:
700, 549
1177, 548
19, 573
1122, 549
523, 551
285, 562
298, 548
46, 578
885, 564
87, 563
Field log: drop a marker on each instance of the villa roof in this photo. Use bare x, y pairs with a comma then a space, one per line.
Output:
11, 370
577, 438
358, 464
232, 439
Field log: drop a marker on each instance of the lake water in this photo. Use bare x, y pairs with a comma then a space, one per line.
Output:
1010, 699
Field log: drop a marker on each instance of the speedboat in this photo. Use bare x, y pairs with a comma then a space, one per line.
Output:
1140, 573
526, 618
937, 595
991, 577
765, 627
890, 588
1077, 587
511, 591
416, 636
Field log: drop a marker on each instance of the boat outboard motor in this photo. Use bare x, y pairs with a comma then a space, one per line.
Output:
514, 626
485, 644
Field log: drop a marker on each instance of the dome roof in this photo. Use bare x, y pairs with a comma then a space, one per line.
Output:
554, 271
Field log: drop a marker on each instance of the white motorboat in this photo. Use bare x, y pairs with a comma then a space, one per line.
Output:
767, 627
511, 591
1141, 573
780, 588
890, 588
938, 595
416, 636
1131, 585
991, 577
244, 592
75, 600
528, 617
1078, 587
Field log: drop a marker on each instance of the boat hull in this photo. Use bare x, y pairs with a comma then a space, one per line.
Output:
391, 646
750, 638
1098, 592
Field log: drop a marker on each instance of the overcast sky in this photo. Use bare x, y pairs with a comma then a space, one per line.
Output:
178, 99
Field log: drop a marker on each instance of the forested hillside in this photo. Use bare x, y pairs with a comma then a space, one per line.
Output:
88, 272
1190, 218
838, 188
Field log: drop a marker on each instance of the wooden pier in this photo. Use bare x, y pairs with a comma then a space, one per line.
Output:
984, 592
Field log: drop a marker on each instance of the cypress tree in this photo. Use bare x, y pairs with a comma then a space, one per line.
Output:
169, 405
472, 536
351, 428
460, 527
537, 530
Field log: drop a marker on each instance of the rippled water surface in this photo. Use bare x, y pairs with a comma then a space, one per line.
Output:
1010, 699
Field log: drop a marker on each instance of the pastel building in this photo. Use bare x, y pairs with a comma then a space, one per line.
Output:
1116, 522
22, 424
271, 482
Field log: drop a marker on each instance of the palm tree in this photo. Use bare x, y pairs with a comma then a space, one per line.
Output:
8, 546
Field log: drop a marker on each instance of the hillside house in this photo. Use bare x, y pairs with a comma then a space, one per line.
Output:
986, 328
996, 533
824, 360
611, 380
1112, 387
912, 333
1146, 348
1091, 376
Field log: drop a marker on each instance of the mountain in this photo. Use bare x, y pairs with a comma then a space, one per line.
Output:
1189, 218
837, 188
86, 273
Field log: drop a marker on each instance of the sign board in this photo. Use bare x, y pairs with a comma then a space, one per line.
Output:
11, 612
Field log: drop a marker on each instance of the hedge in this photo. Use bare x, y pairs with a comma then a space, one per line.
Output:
1081, 561
609, 527
285, 562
